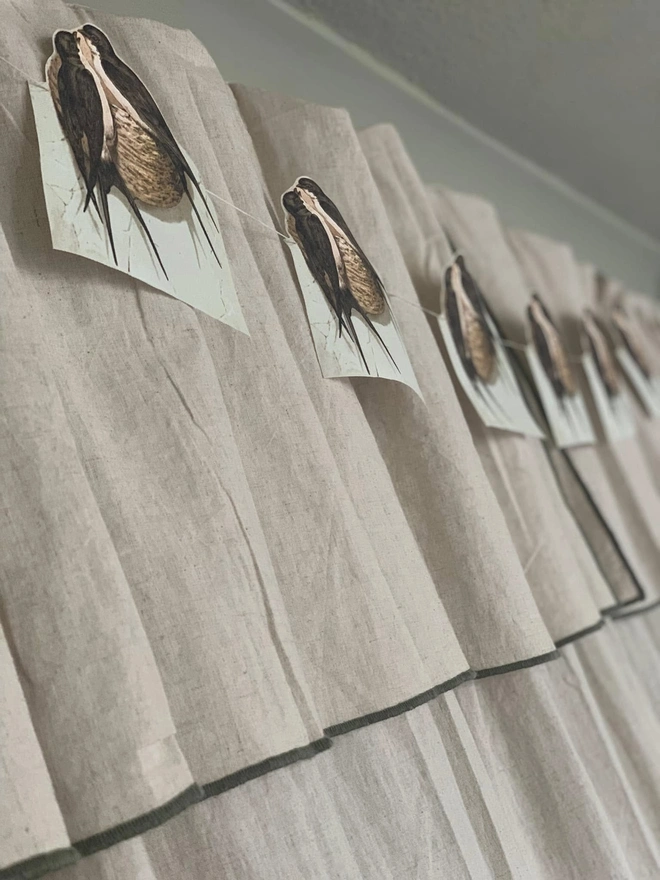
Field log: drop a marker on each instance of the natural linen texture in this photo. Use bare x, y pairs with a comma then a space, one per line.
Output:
213, 559
567, 585
207, 563
615, 474
470, 219
431, 463
535, 774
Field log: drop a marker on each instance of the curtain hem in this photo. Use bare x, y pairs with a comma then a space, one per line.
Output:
399, 708
519, 664
583, 632
140, 824
625, 614
269, 764
37, 866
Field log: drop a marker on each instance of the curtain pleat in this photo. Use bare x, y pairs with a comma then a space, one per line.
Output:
215, 564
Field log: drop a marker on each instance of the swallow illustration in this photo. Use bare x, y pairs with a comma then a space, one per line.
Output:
118, 135
630, 336
550, 349
88, 125
335, 259
466, 317
159, 174
602, 354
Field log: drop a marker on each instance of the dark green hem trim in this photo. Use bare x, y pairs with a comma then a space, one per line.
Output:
583, 632
519, 366
519, 664
140, 824
611, 609
634, 601
37, 866
641, 594
275, 763
624, 614
40, 865
399, 708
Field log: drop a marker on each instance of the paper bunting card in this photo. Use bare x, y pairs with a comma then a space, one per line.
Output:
478, 356
556, 380
632, 355
605, 381
119, 188
353, 328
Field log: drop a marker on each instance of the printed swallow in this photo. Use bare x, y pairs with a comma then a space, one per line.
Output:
88, 125
602, 355
466, 317
335, 259
631, 340
147, 156
550, 348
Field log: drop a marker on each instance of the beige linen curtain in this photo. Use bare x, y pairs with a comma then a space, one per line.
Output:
215, 563
612, 535
567, 585
616, 476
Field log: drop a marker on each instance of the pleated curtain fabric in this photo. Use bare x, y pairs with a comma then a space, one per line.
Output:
616, 475
425, 446
474, 224
216, 564
602, 295
566, 583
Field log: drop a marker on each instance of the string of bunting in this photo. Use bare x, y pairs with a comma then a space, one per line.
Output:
508, 343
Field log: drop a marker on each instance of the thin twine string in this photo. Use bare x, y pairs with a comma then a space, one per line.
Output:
532, 558
18, 70
507, 343
251, 216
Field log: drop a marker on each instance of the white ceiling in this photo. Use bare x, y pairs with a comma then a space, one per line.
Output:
573, 85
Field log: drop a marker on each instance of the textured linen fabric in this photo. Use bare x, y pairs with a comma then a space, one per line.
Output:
475, 227
144, 609
211, 558
646, 314
212, 584
470, 219
515, 777
32, 823
358, 592
430, 457
567, 585
89, 676
616, 475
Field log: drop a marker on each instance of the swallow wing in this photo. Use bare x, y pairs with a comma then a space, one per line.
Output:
140, 98
360, 290
553, 356
81, 117
335, 214
311, 237
543, 349
479, 336
467, 322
